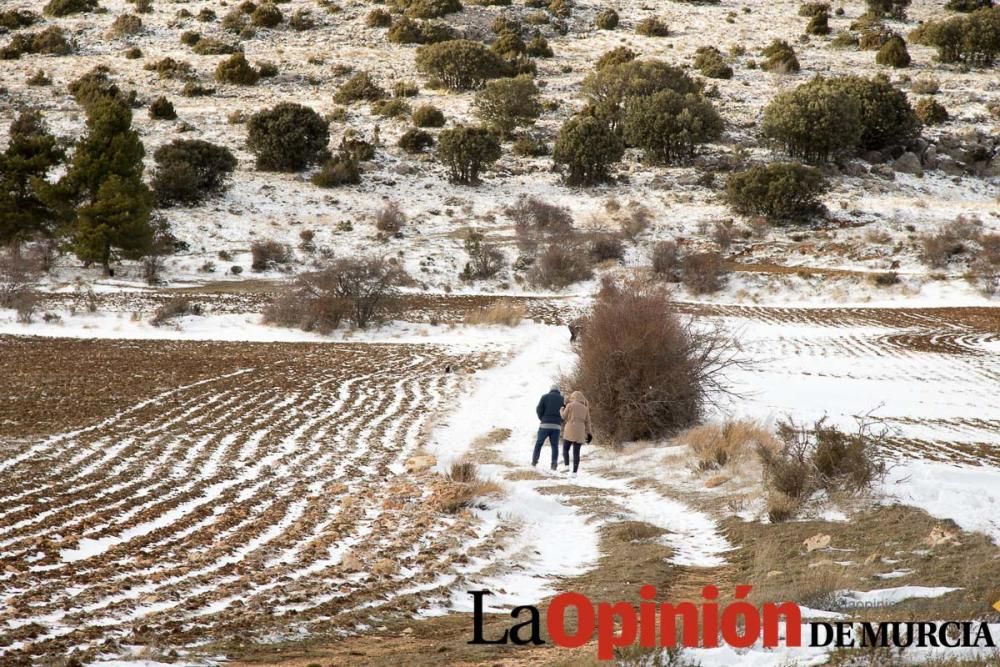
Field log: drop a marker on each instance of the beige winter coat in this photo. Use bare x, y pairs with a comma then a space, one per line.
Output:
577, 416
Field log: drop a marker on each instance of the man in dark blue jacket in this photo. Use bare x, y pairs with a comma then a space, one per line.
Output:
551, 424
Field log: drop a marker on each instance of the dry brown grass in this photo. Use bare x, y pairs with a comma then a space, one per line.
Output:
463, 487
731, 442
505, 313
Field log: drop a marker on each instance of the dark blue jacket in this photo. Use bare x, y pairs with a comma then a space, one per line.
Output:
548, 408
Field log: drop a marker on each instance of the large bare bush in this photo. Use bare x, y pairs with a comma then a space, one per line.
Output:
647, 372
364, 290
18, 274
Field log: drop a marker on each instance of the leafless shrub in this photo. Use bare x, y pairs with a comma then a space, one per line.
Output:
722, 234
268, 254
820, 457
950, 240
485, 259
18, 273
363, 290
666, 260
390, 218
634, 220
703, 272
759, 227
561, 264
307, 240
647, 372
26, 303
605, 247
152, 269
174, 308
534, 218
985, 269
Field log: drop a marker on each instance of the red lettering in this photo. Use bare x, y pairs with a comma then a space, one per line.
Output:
793, 623
556, 620
607, 640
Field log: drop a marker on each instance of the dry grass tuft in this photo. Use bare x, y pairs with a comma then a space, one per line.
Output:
463, 486
637, 531
718, 445
505, 313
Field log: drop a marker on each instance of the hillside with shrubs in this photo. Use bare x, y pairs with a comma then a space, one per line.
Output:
843, 137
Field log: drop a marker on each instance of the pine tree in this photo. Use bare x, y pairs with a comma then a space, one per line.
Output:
31, 153
105, 200
118, 218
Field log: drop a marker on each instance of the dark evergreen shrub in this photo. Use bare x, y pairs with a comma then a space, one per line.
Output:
162, 109
460, 64
190, 170
466, 151
287, 137
415, 140
782, 192
586, 148
428, 116
237, 70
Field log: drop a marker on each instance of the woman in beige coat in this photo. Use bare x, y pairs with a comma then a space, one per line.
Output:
577, 429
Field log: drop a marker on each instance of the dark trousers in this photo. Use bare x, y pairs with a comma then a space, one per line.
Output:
577, 446
553, 435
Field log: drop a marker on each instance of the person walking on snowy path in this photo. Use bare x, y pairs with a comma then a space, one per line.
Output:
550, 424
577, 429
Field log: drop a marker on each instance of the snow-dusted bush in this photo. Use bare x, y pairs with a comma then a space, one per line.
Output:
781, 192
287, 137
361, 86
709, 61
51, 41
363, 290
378, 18
652, 26
467, 151
162, 109
610, 85
893, 8
668, 126
506, 104
429, 9
972, 38
819, 24
561, 264
930, 111
189, 170
428, 115
67, 7
341, 169
123, 25
266, 15
893, 53
485, 259
415, 140
586, 148
237, 70
606, 19
460, 64
780, 58
703, 272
